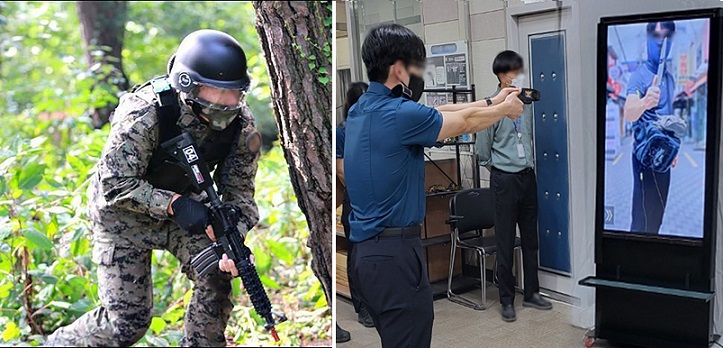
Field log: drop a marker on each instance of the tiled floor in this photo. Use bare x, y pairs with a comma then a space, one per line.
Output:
458, 326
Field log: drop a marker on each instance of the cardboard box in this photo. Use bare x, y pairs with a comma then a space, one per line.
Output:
438, 206
433, 176
436, 215
438, 262
342, 281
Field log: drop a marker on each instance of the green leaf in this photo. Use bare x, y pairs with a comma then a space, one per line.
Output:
262, 260
59, 304
312, 66
322, 70
280, 251
324, 80
11, 332
31, 176
38, 238
268, 282
187, 297
37, 141
157, 325
236, 286
312, 57
75, 163
5, 290
321, 302
174, 315
57, 209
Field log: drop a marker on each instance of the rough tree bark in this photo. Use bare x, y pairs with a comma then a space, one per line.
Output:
293, 36
102, 26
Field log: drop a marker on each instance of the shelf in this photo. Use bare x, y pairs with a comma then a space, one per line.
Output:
436, 240
443, 193
614, 284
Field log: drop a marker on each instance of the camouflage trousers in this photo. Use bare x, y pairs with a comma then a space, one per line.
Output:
125, 290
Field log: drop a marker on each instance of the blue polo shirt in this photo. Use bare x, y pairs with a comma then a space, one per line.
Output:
384, 161
340, 137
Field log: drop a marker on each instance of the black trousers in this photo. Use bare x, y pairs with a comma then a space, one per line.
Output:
345, 211
515, 205
650, 196
394, 287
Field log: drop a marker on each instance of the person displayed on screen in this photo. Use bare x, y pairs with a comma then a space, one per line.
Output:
353, 94
506, 150
649, 97
386, 133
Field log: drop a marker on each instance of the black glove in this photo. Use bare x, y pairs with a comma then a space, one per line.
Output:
190, 215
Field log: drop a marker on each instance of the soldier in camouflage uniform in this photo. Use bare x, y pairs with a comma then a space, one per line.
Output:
133, 210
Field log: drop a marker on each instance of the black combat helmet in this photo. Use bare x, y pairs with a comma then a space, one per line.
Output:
209, 58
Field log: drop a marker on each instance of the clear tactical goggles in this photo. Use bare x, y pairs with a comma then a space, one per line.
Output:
219, 115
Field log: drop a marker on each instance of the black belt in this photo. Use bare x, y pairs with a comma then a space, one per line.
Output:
401, 232
524, 171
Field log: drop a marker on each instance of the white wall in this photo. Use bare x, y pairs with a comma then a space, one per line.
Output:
342, 53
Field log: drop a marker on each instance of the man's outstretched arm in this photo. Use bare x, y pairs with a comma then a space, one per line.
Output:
475, 119
496, 100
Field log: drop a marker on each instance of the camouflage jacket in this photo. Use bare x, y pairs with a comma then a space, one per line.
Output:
119, 199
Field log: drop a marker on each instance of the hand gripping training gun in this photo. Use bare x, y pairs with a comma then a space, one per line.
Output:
224, 219
529, 95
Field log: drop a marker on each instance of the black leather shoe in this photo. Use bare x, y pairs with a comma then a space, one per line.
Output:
536, 301
365, 318
342, 335
508, 313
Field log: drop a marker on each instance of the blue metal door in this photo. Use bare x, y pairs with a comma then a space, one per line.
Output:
547, 70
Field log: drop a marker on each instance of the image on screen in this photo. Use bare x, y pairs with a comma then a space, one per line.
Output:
655, 127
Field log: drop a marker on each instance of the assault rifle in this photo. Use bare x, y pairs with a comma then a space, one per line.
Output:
229, 241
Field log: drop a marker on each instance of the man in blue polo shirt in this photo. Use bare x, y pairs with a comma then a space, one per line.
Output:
386, 132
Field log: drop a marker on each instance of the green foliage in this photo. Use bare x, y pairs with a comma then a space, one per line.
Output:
320, 65
44, 171
43, 67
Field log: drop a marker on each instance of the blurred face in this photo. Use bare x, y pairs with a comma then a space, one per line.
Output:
219, 107
409, 76
655, 45
659, 33
416, 70
507, 79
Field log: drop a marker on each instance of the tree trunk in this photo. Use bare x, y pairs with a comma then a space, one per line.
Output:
296, 39
102, 26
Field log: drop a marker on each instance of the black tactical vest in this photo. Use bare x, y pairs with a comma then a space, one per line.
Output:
163, 171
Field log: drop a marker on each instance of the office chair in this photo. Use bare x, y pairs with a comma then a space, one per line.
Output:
471, 211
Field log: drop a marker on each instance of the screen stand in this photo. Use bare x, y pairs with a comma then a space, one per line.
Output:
651, 316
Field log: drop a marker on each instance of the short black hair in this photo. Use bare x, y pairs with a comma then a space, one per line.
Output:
353, 94
507, 61
670, 25
388, 43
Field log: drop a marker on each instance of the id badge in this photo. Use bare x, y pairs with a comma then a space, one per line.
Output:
520, 151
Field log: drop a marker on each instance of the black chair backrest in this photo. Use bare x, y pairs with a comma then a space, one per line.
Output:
475, 208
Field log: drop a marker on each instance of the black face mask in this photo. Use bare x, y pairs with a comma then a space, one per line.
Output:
413, 92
